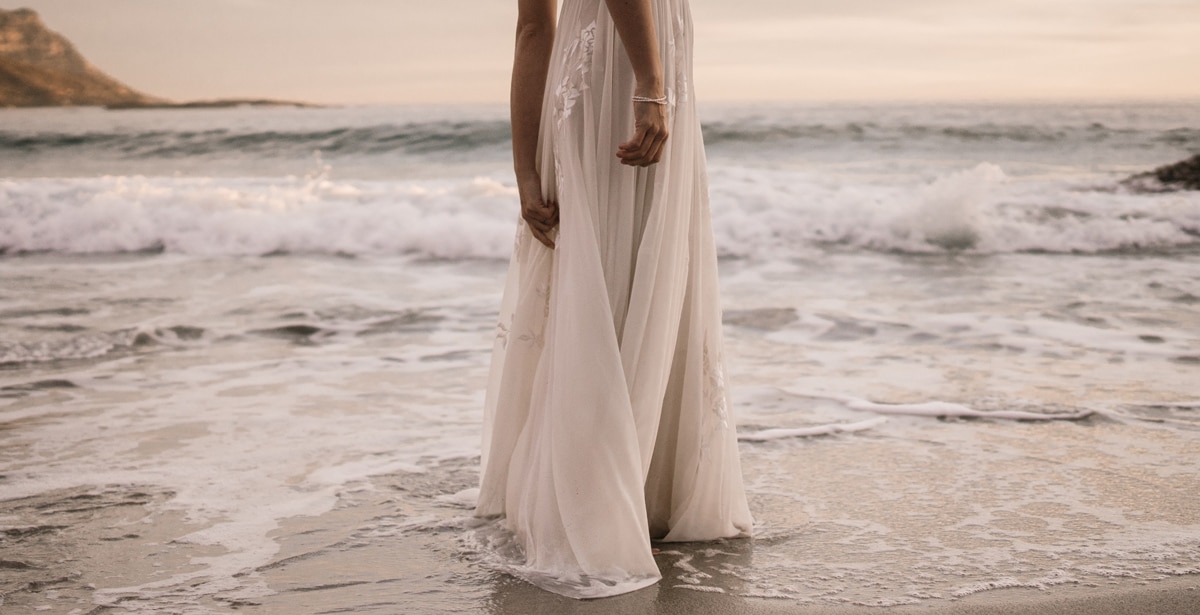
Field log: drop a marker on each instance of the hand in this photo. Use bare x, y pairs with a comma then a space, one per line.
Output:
649, 135
539, 214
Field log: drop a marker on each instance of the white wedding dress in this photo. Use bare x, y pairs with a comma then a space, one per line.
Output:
607, 420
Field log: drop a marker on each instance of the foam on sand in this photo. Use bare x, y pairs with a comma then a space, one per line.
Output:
814, 430
941, 408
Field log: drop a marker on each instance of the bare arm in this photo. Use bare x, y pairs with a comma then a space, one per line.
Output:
635, 25
531, 62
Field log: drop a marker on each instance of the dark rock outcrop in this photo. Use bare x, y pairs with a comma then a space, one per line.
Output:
41, 68
1183, 175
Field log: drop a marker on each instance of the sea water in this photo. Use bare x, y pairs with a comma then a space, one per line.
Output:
963, 355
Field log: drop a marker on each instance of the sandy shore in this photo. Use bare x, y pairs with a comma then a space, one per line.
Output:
1176, 596
117, 537
397, 546
117, 541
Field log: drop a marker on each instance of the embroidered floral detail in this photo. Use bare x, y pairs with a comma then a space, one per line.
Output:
558, 174
502, 334
576, 64
714, 391
530, 338
682, 58
543, 291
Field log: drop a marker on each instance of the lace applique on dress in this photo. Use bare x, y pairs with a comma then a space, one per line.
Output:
534, 332
502, 334
577, 62
715, 399
529, 337
558, 174
543, 291
681, 55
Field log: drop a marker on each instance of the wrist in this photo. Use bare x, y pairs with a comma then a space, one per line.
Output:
529, 182
649, 88
527, 175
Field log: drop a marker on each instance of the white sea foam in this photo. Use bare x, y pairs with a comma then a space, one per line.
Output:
757, 213
814, 430
440, 219
948, 211
941, 408
700, 588
1054, 577
84, 346
775, 213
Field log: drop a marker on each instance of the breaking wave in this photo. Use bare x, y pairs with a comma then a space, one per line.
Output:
757, 214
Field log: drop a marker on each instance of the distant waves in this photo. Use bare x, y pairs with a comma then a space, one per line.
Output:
411, 138
488, 137
718, 133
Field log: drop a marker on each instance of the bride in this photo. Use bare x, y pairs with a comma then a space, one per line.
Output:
607, 421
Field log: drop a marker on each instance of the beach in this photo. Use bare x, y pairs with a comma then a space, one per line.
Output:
243, 354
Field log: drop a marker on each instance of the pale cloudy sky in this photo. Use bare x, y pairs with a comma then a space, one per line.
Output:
382, 51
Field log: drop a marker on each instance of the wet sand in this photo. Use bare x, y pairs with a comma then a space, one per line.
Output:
326, 566
1167, 597
57, 569
853, 504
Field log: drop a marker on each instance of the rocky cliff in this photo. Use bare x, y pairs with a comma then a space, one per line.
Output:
41, 68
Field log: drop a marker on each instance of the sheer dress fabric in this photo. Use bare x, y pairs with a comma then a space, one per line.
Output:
607, 420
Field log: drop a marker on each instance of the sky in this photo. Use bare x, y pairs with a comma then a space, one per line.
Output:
460, 51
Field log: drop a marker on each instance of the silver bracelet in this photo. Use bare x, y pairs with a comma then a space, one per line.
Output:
646, 99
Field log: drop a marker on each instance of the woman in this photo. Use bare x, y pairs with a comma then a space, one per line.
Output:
607, 421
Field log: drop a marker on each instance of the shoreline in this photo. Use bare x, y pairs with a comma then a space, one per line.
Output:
104, 547
1170, 596
385, 547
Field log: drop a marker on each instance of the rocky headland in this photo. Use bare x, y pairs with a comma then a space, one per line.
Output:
41, 68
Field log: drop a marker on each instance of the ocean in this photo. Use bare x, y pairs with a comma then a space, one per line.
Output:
243, 353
